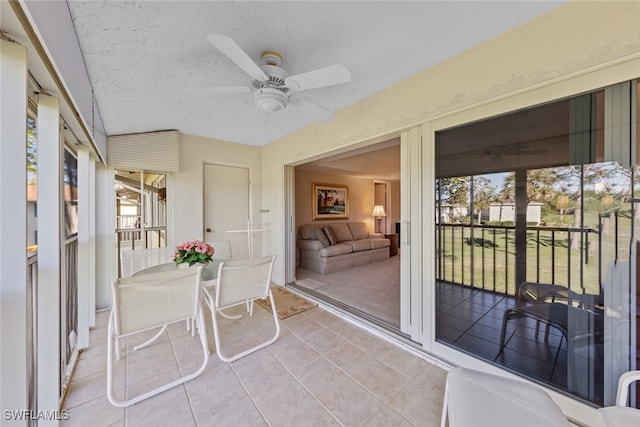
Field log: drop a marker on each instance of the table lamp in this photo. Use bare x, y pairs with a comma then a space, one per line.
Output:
378, 212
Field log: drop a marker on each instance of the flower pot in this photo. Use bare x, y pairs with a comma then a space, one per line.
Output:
185, 265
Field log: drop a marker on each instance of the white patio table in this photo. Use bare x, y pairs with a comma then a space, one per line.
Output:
209, 272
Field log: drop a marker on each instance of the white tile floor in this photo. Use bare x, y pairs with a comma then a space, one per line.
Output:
323, 370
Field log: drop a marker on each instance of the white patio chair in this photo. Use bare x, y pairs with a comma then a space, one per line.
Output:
238, 282
474, 398
621, 414
132, 261
150, 301
223, 250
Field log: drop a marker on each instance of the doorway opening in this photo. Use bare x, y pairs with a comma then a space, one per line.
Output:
367, 289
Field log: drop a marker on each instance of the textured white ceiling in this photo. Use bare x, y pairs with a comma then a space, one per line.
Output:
152, 68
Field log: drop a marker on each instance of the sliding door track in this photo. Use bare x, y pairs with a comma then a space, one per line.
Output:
353, 312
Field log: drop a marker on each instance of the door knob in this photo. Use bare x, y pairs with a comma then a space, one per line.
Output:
208, 230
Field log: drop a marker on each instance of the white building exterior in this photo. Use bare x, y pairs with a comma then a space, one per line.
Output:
506, 212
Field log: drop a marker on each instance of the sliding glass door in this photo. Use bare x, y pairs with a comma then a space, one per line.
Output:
535, 228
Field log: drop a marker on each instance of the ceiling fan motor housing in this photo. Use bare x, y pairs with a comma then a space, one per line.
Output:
271, 99
271, 95
276, 75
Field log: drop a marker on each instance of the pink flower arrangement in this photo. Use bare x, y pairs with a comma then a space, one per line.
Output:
192, 252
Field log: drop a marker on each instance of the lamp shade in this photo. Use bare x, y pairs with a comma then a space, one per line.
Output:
378, 211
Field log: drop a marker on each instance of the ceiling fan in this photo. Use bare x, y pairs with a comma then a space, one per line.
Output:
272, 85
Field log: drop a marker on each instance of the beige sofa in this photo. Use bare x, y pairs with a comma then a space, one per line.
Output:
327, 248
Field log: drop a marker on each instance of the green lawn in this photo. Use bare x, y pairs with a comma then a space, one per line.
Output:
485, 257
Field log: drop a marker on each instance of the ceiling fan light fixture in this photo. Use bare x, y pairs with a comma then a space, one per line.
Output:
270, 99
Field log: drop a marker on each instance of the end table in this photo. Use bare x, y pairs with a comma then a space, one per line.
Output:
393, 248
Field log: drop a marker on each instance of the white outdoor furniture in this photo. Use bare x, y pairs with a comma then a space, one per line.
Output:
478, 399
209, 271
207, 277
152, 301
240, 281
132, 261
621, 414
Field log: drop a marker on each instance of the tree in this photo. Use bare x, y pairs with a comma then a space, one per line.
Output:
453, 192
32, 151
508, 191
484, 194
540, 185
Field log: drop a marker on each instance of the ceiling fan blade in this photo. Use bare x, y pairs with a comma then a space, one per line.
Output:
230, 48
328, 76
526, 152
229, 89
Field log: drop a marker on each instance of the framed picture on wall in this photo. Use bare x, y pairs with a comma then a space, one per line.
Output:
330, 201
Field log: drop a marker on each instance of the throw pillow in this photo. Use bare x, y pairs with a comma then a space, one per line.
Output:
330, 235
341, 231
306, 231
359, 230
319, 235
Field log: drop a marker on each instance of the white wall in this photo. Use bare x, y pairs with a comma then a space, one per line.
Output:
185, 194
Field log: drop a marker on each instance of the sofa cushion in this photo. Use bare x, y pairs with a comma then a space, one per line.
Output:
341, 231
333, 250
307, 231
379, 243
358, 230
360, 245
318, 233
330, 234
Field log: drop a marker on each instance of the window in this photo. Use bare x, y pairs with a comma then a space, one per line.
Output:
70, 194
141, 210
32, 184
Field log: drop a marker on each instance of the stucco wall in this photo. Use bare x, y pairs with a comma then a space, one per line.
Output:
569, 41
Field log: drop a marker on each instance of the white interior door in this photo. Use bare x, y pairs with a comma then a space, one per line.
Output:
226, 206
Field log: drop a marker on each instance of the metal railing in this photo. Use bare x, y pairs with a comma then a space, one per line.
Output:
484, 256
69, 310
128, 227
68, 320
